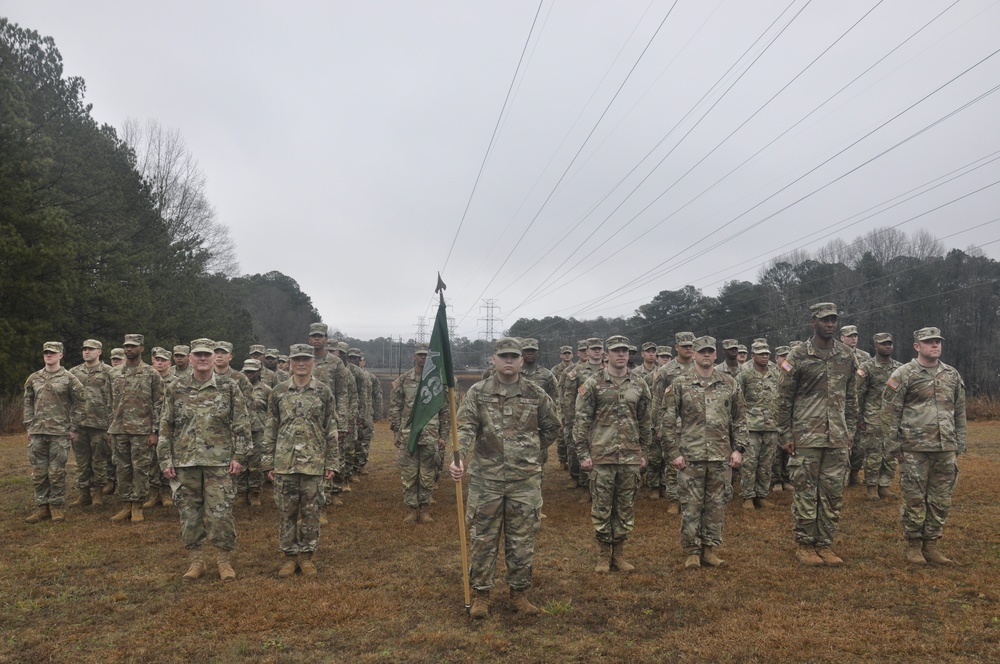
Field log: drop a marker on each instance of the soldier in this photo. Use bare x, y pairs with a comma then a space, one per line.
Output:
705, 432
849, 337
375, 387
359, 406
817, 415
535, 373
136, 402
779, 471
573, 380
880, 466
416, 470
117, 357
329, 370
661, 477
53, 410
648, 360
613, 429
221, 365
366, 416
258, 353
204, 438
159, 488
283, 363
251, 479
160, 361
923, 412
565, 361
271, 362
301, 449
741, 354
508, 422
663, 357
632, 353
91, 448
565, 364
182, 363
730, 364
758, 385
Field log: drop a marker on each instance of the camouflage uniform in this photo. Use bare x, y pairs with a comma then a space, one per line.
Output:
331, 371
760, 395
91, 448
858, 450
418, 472
508, 428
300, 445
573, 380
375, 390
923, 413
880, 465
361, 408
703, 420
547, 381
565, 436
136, 402
818, 411
204, 427
614, 428
252, 478
53, 408
660, 475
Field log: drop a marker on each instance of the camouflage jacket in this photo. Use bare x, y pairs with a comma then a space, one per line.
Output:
543, 377
726, 369
760, 396
817, 396
401, 398
872, 377
136, 399
557, 373
362, 395
203, 424
246, 387
614, 420
97, 394
375, 386
658, 382
53, 403
330, 370
508, 427
923, 410
573, 380
268, 377
300, 435
641, 371
174, 371
257, 406
703, 418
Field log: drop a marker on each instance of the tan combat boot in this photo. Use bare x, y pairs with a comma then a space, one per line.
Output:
885, 494
806, 553
96, 499
852, 478
873, 493
306, 564
654, 493
40, 514
521, 604
226, 571
776, 487
480, 605
693, 561
152, 499
287, 568
618, 561
828, 557
931, 553
764, 504
196, 568
710, 558
137, 512
56, 512
914, 554
165, 498
254, 499
83, 500
109, 488
423, 516
748, 504
323, 521
336, 501
674, 508
123, 514
411, 515
604, 565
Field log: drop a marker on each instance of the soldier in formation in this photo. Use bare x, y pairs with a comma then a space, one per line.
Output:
880, 466
91, 449
849, 337
159, 488
661, 477
730, 364
251, 480
330, 370
182, 361
573, 381
758, 385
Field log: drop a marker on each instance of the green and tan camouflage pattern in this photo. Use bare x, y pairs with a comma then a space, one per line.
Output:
204, 497
53, 403
923, 409
97, 394
760, 396
614, 420
330, 370
703, 418
300, 435
136, 399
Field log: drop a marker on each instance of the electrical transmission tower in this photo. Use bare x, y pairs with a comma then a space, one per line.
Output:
491, 320
421, 329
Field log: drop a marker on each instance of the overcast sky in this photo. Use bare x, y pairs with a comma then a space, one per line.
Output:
342, 140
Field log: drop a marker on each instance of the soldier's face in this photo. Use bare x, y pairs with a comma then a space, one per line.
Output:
301, 366
133, 352
649, 356
825, 327
566, 357
706, 358
884, 349
741, 356
317, 341
662, 359
582, 355
761, 359
117, 361
283, 365
929, 349
530, 357
419, 359
271, 363
849, 340
160, 364
51, 358
618, 358
252, 376
222, 358
780, 358
201, 363
91, 355
732, 354
507, 365
181, 360
685, 352
595, 354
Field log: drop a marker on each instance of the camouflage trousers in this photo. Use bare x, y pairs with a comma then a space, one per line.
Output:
880, 467
363, 446
48, 455
298, 499
562, 447
701, 487
581, 476
132, 464
858, 451
512, 510
347, 453
204, 497
654, 464
156, 479
252, 478
91, 451
927, 480
614, 488
819, 475
755, 473
779, 470
418, 472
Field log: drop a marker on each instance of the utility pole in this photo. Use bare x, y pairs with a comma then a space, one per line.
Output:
491, 319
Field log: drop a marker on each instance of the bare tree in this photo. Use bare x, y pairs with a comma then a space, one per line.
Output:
925, 246
178, 187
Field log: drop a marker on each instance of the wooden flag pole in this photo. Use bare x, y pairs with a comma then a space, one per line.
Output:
459, 500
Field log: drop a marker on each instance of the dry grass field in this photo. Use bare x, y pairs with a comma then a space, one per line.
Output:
89, 590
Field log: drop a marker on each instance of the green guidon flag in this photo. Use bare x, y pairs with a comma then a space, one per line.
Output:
437, 375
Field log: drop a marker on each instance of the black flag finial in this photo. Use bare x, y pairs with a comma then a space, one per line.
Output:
440, 285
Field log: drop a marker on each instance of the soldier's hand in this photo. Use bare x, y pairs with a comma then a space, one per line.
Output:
586, 464
642, 462
441, 443
679, 463
327, 475
736, 459
73, 436
456, 471
151, 441
235, 467
270, 475
170, 473
789, 447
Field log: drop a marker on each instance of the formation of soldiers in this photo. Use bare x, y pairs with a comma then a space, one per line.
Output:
811, 418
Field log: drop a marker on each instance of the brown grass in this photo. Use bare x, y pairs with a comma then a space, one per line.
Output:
89, 590
982, 408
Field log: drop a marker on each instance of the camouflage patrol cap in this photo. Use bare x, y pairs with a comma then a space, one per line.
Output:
649, 345
52, 347
795, 344
701, 343
93, 343
354, 352
927, 333
730, 343
133, 340
300, 350
741, 348
848, 330
331, 344
882, 337
160, 352
421, 349
782, 350
581, 344
823, 309
224, 345
565, 349
318, 329
257, 348
182, 350
632, 349
529, 344
282, 358
251, 365
760, 349
202, 345
594, 342
759, 340
118, 353
271, 352
343, 346
506, 346
684, 339
664, 350
617, 341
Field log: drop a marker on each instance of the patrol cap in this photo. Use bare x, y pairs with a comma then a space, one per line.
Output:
508, 345
782, 350
759, 340
257, 348
161, 353
354, 352
684, 338
632, 349
795, 344
664, 350
702, 343
882, 337
421, 349
343, 346
318, 328
93, 343
594, 342
118, 352
224, 345
182, 350
282, 358
52, 347
848, 330
741, 348
581, 344
529, 344
649, 345
251, 365
202, 346
271, 352
565, 349
617, 341
730, 343
331, 344
300, 350
133, 340
927, 333
823, 309
760, 349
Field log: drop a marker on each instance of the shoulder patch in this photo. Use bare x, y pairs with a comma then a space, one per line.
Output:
582, 390
786, 366
893, 383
